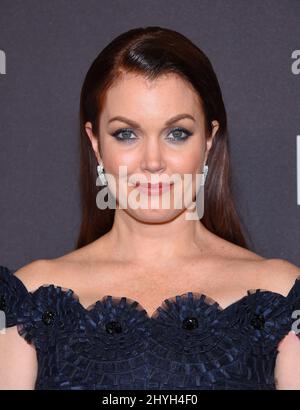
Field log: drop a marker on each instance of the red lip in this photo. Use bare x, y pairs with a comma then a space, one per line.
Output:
154, 189
153, 186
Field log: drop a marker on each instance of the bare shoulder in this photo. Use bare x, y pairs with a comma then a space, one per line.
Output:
244, 270
275, 275
278, 275
66, 270
36, 273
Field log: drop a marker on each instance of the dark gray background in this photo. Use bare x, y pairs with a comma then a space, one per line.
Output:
50, 45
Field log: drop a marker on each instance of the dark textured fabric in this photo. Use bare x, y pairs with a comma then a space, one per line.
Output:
189, 342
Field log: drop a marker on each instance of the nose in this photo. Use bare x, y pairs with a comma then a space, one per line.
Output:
152, 158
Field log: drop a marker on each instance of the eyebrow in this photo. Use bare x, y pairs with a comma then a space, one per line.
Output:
135, 124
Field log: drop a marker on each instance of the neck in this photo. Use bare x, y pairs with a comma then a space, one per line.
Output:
139, 242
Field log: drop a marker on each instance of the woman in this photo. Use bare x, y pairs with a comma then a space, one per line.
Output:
149, 268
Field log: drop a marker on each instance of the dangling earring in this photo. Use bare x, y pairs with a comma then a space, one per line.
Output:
200, 194
101, 173
205, 171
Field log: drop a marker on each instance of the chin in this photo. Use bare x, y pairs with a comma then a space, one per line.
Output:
154, 215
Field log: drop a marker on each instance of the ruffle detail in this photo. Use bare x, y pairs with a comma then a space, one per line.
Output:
115, 328
237, 344
50, 317
112, 347
259, 321
181, 355
12, 293
189, 342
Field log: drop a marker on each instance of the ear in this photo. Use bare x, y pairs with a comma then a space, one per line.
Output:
209, 141
93, 139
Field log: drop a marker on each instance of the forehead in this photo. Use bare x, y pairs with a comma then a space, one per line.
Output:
136, 96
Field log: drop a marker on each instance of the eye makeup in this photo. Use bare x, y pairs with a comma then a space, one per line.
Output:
175, 139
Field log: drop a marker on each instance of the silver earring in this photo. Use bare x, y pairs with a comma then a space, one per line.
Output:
200, 194
101, 173
205, 171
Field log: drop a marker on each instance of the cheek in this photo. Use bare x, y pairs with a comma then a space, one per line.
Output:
115, 158
122, 165
187, 162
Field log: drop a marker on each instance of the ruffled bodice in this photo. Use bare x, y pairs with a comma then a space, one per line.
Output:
189, 342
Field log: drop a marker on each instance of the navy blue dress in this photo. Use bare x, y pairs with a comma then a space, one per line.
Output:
189, 342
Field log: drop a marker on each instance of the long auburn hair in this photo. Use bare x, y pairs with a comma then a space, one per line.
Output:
152, 51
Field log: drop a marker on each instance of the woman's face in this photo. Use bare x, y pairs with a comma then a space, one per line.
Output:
149, 149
